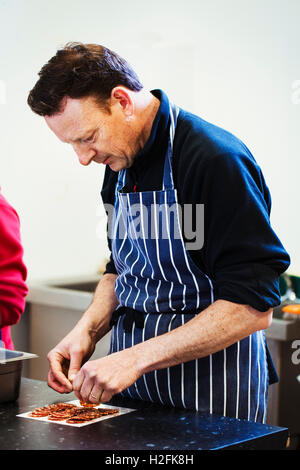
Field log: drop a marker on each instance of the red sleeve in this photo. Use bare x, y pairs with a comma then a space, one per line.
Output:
13, 272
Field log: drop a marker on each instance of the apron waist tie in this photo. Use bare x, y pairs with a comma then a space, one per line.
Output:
136, 317
131, 316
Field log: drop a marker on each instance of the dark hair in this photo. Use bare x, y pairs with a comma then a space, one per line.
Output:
79, 70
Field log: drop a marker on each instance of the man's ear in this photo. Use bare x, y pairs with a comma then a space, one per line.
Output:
124, 98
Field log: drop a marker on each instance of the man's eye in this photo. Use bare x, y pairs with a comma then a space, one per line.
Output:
89, 139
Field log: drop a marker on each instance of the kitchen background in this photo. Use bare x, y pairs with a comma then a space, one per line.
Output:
236, 63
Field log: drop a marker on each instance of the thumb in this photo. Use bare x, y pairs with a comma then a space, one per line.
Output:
75, 364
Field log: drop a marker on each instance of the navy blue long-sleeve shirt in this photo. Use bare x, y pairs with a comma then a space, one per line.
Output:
241, 253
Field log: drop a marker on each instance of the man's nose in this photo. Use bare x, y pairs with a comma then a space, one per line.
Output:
85, 157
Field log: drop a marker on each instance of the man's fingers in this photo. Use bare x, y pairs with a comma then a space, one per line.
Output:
77, 383
86, 387
96, 394
56, 377
106, 396
55, 384
75, 364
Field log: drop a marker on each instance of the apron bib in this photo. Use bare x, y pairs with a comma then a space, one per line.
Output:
161, 287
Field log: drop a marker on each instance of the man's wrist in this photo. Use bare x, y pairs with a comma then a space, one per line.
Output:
145, 356
96, 324
98, 315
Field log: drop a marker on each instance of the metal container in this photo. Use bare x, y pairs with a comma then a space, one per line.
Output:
11, 363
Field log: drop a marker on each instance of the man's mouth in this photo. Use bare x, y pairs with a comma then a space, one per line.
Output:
100, 160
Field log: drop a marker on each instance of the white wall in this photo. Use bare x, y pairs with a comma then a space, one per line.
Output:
233, 62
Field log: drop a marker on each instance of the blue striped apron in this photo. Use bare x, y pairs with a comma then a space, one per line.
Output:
158, 281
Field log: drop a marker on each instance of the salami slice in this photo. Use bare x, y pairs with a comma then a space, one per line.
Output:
40, 414
88, 405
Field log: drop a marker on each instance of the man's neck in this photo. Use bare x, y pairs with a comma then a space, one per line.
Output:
147, 107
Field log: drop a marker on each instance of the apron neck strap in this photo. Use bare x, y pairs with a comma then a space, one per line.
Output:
168, 182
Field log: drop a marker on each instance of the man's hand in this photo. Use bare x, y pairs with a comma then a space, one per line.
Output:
77, 347
67, 357
97, 381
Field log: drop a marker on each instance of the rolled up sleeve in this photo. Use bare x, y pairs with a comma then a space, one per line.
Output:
110, 267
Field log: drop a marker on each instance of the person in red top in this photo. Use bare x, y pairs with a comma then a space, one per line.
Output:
13, 272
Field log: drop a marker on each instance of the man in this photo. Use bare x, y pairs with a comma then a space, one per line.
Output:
187, 323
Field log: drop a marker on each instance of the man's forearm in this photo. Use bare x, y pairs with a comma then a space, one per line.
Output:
97, 316
217, 327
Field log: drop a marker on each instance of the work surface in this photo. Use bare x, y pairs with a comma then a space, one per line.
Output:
150, 427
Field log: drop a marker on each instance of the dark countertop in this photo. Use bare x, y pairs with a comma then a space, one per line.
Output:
150, 427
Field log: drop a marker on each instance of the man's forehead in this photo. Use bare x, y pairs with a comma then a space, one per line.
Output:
74, 121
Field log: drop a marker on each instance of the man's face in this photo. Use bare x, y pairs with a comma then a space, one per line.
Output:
95, 134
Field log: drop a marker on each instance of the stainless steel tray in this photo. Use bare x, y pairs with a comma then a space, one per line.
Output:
11, 363
8, 355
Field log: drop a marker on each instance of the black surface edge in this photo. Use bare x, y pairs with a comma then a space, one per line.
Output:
271, 441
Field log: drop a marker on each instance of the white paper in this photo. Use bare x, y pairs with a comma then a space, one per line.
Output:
121, 411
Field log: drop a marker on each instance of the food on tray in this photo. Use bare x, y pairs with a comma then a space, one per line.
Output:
83, 416
71, 413
49, 409
88, 405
